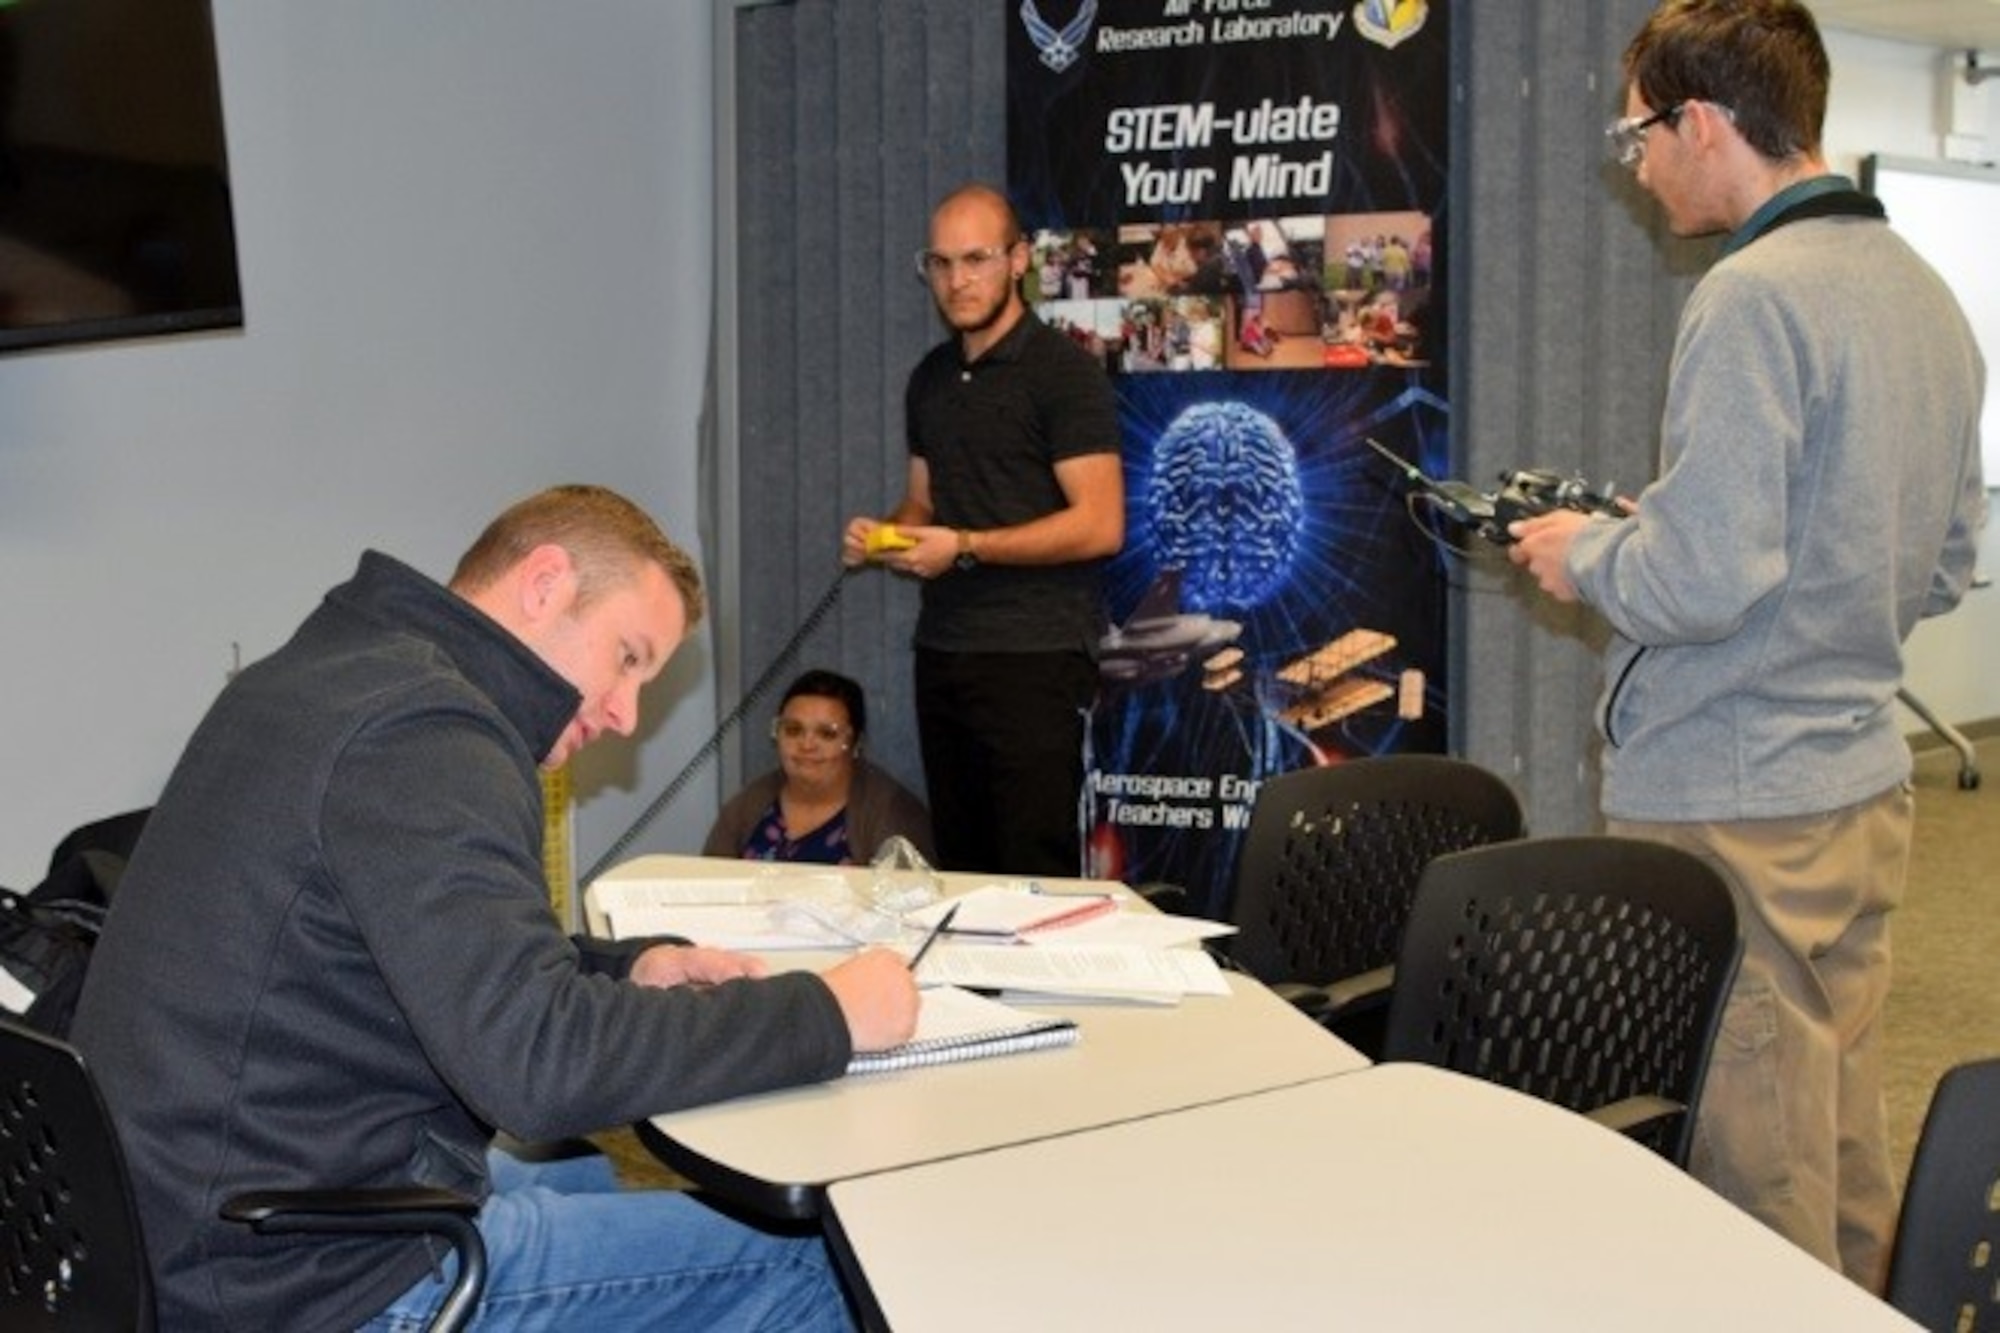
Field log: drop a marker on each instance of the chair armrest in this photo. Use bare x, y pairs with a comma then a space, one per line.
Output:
1335, 999
403, 1209
1170, 898
1308, 999
1359, 991
446, 1214
1632, 1115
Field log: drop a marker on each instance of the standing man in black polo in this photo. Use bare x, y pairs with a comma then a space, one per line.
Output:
1015, 498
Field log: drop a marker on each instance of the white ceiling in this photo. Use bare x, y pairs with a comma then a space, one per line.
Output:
1959, 25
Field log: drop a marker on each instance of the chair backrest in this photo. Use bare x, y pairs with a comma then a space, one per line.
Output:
1584, 971
1331, 858
70, 1243
1945, 1273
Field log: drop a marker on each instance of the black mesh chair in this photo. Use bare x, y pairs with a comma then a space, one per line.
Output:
71, 1253
1590, 972
1945, 1272
1329, 866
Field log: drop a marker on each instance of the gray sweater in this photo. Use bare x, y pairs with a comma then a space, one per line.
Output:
332, 961
1819, 493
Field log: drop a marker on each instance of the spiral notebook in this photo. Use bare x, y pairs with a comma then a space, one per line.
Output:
955, 1025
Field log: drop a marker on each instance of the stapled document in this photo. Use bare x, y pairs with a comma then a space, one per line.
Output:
1086, 971
1014, 910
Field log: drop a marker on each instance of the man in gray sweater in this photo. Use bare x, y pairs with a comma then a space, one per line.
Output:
1819, 492
332, 961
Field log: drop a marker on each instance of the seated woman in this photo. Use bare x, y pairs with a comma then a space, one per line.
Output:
823, 802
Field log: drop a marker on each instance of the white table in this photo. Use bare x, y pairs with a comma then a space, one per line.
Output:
777, 1152
1400, 1197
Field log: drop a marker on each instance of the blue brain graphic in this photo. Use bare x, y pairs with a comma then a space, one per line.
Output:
1225, 505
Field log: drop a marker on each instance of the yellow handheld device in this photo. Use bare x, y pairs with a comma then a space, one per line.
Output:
883, 538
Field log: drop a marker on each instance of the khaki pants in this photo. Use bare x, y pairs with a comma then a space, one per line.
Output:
1792, 1127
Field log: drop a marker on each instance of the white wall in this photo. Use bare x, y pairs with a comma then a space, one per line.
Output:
475, 240
1895, 97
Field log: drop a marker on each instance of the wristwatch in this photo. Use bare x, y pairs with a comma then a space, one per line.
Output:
966, 559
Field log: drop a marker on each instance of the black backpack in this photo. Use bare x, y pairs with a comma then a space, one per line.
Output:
47, 933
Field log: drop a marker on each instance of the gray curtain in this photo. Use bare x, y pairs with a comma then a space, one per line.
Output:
852, 119
1567, 293
853, 116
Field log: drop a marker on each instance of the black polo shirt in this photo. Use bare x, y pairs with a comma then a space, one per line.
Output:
991, 432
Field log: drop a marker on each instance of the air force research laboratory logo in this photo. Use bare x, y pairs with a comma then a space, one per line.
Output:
1059, 46
1390, 23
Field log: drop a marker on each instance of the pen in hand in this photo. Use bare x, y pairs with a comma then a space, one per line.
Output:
932, 938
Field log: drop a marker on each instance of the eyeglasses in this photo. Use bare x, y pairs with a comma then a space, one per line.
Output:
791, 729
1628, 136
937, 266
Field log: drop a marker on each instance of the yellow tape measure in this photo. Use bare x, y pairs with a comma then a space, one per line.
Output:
558, 858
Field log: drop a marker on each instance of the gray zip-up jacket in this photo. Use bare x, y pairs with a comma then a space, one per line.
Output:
332, 962
1820, 491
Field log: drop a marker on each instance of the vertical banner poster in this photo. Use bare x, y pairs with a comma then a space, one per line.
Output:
1238, 205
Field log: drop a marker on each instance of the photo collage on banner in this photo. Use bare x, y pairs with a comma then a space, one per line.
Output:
1238, 205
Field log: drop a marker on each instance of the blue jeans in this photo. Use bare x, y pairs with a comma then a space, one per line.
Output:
567, 1248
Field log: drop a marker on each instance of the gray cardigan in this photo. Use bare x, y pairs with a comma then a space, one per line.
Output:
1819, 493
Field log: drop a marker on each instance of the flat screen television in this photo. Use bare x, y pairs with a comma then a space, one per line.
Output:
115, 214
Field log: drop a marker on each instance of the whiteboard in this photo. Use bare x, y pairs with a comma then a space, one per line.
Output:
1951, 212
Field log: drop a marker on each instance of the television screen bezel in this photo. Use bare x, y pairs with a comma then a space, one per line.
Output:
206, 316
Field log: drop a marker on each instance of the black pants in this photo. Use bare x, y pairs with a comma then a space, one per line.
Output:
1002, 737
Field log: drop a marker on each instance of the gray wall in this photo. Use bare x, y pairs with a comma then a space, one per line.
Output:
475, 243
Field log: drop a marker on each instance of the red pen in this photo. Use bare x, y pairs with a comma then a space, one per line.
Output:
1090, 905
